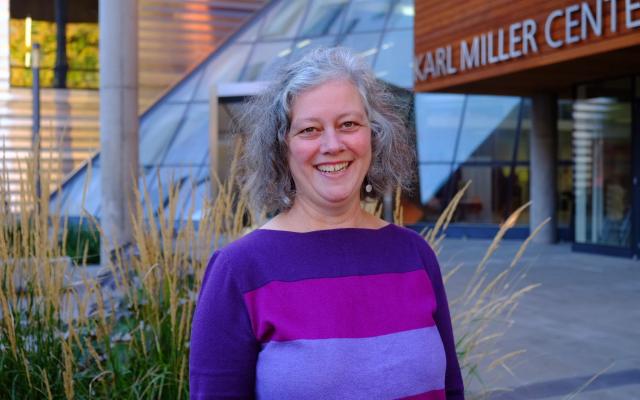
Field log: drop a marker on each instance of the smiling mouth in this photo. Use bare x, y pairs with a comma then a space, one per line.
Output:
333, 168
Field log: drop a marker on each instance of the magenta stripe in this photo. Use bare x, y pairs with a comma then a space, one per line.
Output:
344, 307
432, 395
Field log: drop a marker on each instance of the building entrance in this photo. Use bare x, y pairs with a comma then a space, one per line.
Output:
603, 172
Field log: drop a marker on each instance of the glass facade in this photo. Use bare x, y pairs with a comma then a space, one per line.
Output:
484, 139
174, 133
602, 154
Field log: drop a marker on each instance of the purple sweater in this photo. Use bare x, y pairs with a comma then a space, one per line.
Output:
335, 314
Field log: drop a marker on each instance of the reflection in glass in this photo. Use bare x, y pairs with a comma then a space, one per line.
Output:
157, 130
191, 144
402, 15
489, 128
366, 16
303, 46
495, 192
438, 119
364, 45
225, 67
324, 17
564, 201
565, 130
283, 20
602, 139
184, 91
394, 64
266, 58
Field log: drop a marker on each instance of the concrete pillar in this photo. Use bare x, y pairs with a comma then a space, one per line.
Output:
118, 119
543, 155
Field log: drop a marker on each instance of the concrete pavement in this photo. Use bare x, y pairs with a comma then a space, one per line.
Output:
583, 321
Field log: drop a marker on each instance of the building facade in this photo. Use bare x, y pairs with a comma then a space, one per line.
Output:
583, 154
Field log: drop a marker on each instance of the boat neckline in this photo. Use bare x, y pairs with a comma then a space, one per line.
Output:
347, 229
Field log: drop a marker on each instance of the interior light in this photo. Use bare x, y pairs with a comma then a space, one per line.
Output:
284, 52
27, 32
368, 53
408, 10
303, 43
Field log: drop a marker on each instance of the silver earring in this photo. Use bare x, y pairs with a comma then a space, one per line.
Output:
368, 188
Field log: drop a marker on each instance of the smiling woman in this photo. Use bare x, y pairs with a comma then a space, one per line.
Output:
325, 300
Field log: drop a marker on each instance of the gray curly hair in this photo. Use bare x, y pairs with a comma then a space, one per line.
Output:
266, 118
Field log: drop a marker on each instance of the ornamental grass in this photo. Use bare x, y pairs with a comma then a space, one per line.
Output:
70, 331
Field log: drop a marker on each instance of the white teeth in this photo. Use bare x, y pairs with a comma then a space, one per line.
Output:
333, 167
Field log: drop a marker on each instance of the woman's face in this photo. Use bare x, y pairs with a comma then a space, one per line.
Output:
329, 144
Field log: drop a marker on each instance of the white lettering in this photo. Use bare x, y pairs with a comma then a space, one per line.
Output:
450, 68
492, 57
514, 39
628, 13
502, 56
594, 21
571, 23
529, 36
483, 47
614, 15
429, 67
470, 58
548, 29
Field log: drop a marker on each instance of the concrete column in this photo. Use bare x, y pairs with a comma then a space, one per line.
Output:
543, 147
118, 119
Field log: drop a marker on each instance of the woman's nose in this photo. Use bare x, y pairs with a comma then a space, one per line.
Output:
331, 142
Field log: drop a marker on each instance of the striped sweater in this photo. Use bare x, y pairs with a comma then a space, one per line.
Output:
334, 314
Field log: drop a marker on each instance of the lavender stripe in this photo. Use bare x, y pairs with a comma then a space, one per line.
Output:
383, 367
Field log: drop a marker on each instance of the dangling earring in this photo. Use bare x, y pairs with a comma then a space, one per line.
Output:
368, 187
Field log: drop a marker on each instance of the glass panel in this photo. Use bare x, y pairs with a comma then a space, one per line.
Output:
564, 208
493, 194
191, 144
366, 16
565, 130
395, 61
402, 15
525, 131
602, 159
305, 45
437, 123
364, 45
488, 129
250, 33
283, 20
433, 178
325, 17
225, 67
184, 91
265, 59
167, 176
157, 128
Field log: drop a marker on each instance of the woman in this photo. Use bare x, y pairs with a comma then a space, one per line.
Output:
324, 301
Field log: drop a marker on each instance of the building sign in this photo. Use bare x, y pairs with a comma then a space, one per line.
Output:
562, 25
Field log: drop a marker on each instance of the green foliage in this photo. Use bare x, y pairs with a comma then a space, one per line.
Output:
82, 53
82, 238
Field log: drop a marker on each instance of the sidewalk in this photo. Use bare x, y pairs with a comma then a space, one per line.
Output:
583, 319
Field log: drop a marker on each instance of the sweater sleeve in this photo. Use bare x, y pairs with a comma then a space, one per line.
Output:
223, 352
454, 386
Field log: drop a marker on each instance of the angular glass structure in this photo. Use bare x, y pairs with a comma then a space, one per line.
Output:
174, 133
459, 137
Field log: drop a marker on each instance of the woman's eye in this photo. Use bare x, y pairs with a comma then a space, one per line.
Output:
349, 124
310, 129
